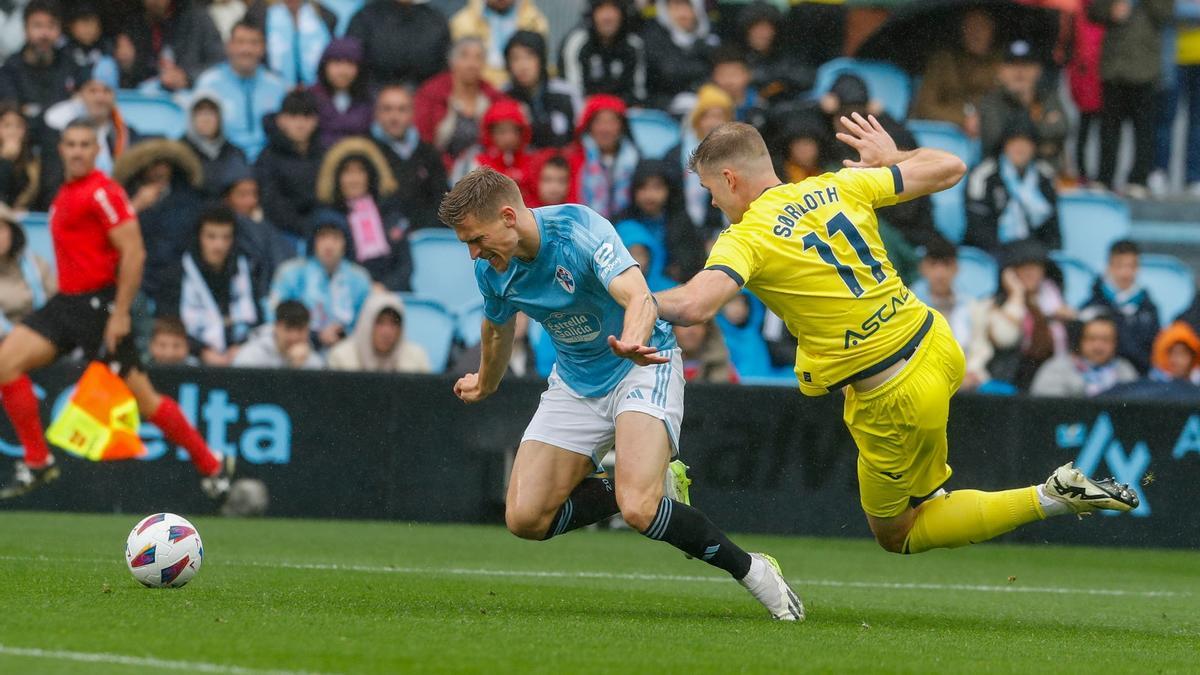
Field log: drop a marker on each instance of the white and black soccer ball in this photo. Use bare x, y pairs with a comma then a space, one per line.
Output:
164, 551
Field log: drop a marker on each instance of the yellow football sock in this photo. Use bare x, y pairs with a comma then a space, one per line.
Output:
970, 516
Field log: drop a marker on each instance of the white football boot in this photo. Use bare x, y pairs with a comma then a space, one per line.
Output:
1082, 495
766, 583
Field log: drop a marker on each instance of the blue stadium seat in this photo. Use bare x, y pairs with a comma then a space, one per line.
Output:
1170, 283
427, 323
949, 206
442, 269
978, 273
469, 319
152, 115
1077, 278
654, 131
1090, 222
37, 235
885, 82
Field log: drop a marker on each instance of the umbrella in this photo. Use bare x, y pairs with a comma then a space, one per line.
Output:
917, 30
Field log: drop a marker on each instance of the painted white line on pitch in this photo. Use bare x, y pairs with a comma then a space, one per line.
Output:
138, 661
635, 576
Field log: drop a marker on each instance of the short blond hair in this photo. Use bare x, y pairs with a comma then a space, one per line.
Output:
732, 143
481, 194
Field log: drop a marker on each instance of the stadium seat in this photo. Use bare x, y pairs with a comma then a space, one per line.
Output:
885, 82
1170, 283
427, 323
152, 115
37, 235
1077, 278
654, 131
442, 269
978, 273
469, 319
949, 206
1090, 222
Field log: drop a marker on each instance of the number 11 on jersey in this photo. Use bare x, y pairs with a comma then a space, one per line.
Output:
840, 223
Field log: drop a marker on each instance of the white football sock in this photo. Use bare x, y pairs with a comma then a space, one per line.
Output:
1051, 506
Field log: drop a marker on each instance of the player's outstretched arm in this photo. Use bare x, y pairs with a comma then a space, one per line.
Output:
495, 349
924, 170
630, 291
698, 300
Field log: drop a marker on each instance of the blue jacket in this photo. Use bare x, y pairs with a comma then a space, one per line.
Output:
335, 299
244, 103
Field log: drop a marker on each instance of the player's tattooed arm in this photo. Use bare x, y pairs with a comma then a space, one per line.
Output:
495, 349
698, 300
630, 291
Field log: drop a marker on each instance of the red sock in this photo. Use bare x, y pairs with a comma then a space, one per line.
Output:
178, 431
22, 407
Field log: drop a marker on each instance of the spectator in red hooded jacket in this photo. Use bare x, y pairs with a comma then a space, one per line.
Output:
603, 157
504, 146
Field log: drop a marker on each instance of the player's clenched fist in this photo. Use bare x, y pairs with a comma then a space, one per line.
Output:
467, 388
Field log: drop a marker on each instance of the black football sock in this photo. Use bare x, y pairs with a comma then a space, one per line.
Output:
591, 501
690, 531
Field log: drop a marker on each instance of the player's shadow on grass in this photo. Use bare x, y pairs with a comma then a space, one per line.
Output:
971, 620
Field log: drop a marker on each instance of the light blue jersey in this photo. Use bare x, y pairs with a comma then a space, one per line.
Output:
565, 289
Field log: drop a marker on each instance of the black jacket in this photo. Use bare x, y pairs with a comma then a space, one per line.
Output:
220, 171
287, 181
37, 88
1136, 329
422, 180
168, 228
402, 43
670, 69
188, 32
596, 68
552, 112
986, 198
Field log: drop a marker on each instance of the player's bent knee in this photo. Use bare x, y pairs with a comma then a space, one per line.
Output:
526, 525
890, 542
639, 513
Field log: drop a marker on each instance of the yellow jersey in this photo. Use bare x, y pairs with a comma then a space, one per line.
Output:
811, 252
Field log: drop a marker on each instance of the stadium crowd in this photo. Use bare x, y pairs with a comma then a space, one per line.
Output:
321, 136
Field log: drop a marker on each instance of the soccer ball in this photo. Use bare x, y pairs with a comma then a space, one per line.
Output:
163, 551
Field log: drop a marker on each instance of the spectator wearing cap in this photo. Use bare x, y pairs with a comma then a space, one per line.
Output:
713, 107
1130, 72
86, 42
357, 188
344, 104
170, 42
212, 291
41, 73
220, 160
504, 146
449, 107
956, 79
287, 168
297, 33
731, 72
26, 280
913, 219
1011, 197
332, 287
1023, 325
679, 50
248, 91
938, 269
552, 103
494, 22
604, 54
404, 41
603, 158
284, 343
1130, 305
418, 167
96, 101
163, 179
1020, 96
775, 73
1176, 355
378, 344
20, 166
1092, 367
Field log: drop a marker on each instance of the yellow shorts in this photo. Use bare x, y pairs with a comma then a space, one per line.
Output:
900, 426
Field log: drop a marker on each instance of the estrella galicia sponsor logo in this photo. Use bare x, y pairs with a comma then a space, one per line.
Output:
605, 258
873, 323
563, 276
1099, 445
572, 328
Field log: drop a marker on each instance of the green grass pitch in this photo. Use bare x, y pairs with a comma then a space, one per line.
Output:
354, 597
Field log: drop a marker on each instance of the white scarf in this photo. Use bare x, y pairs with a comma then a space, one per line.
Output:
200, 313
1027, 208
294, 48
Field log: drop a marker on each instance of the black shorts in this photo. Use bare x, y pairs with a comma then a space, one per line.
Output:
78, 321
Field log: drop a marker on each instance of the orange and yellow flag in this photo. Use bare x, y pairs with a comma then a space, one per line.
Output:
100, 422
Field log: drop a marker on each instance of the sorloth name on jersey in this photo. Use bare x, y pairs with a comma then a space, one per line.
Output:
794, 211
